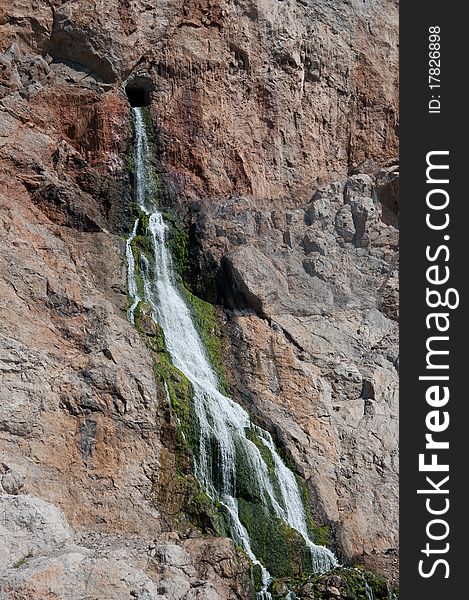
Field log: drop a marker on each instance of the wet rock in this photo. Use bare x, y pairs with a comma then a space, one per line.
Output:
279, 589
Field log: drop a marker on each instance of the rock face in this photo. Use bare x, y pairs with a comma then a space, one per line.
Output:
277, 129
312, 336
45, 560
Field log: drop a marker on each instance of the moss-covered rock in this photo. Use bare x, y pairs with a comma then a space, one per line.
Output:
345, 583
319, 534
268, 459
206, 322
148, 122
279, 589
183, 493
203, 313
280, 548
141, 246
178, 243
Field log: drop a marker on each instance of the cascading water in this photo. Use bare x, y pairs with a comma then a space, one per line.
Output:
132, 284
224, 425
368, 589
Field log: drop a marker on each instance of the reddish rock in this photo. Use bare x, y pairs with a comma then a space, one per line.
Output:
256, 105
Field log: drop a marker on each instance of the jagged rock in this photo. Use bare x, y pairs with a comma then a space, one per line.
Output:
387, 191
358, 185
318, 358
279, 589
344, 223
264, 121
326, 201
11, 482
41, 555
29, 526
311, 243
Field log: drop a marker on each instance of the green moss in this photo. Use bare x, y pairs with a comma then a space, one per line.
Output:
256, 577
139, 247
267, 457
205, 319
202, 512
203, 313
19, 563
356, 587
350, 582
131, 161
279, 547
148, 122
247, 485
180, 394
143, 222
197, 506
319, 534
130, 151
322, 535
178, 242
279, 589
177, 385
142, 244
290, 557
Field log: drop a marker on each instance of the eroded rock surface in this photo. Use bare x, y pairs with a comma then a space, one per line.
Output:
313, 338
263, 112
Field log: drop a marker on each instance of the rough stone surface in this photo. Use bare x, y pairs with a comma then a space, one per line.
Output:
50, 563
312, 333
277, 134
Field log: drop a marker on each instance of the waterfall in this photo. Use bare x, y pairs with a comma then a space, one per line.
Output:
132, 284
224, 424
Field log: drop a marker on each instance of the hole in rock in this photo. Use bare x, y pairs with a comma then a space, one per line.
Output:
139, 91
137, 96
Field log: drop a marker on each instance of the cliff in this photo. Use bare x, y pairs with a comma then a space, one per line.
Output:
276, 129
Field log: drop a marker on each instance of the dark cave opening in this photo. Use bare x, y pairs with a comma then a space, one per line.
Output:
137, 95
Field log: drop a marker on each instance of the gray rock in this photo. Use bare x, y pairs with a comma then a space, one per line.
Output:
358, 185
349, 372
324, 203
29, 526
344, 223
12, 482
311, 243
387, 193
174, 555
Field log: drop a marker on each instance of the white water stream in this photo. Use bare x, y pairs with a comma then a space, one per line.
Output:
223, 423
